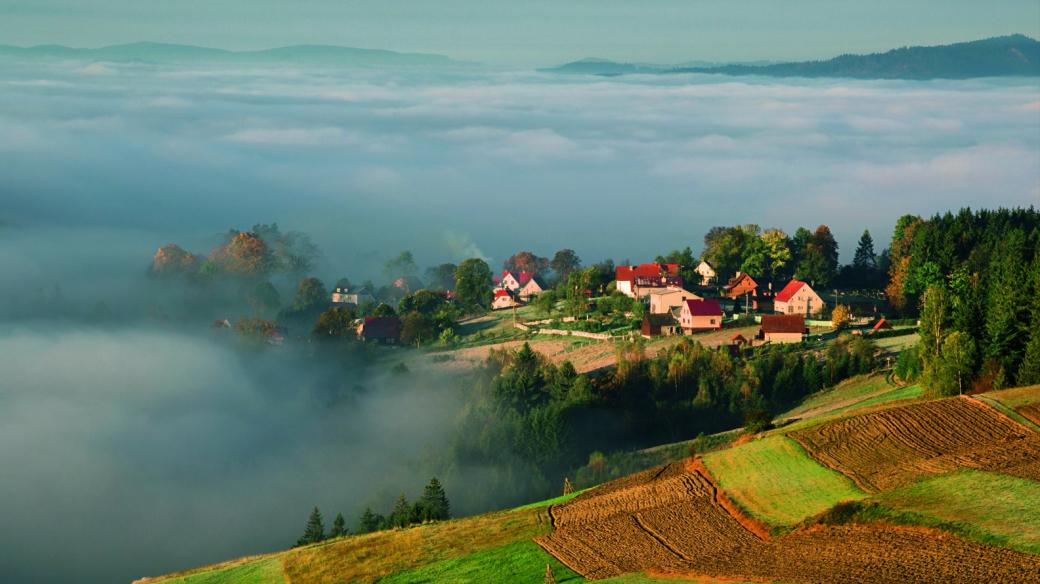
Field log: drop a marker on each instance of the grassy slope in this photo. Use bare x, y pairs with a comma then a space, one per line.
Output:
775, 481
265, 571
993, 508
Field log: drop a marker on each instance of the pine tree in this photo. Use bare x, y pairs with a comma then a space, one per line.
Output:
1029, 370
315, 530
401, 516
434, 502
865, 258
339, 526
1005, 310
369, 521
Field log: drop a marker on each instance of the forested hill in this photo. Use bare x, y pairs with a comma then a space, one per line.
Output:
1006, 56
1014, 55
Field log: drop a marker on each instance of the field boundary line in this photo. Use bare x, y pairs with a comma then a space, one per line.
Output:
986, 405
752, 525
660, 538
856, 480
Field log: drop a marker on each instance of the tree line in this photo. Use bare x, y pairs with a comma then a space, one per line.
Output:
433, 505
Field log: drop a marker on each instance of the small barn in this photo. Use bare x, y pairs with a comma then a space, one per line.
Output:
782, 328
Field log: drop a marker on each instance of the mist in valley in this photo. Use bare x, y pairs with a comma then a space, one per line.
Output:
137, 440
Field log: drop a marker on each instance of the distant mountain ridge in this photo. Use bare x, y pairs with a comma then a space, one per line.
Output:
175, 53
1005, 56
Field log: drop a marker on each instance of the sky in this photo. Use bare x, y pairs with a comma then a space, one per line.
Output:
535, 32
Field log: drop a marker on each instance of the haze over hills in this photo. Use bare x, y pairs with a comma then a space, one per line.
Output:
1013, 55
175, 53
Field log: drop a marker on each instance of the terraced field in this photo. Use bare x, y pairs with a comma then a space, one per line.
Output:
887, 449
673, 520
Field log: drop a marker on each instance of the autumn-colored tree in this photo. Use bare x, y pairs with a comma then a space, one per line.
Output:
244, 254
526, 261
841, 316
172, 260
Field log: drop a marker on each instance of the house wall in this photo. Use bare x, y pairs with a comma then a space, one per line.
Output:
783, 337
502, 302
662, 303
688, 322
625, 287
801, 302
510, 283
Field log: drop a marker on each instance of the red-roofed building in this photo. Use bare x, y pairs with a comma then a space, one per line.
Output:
797, 297
637, 281
782, 328
700, 315
382, 329
503, 299
740, 285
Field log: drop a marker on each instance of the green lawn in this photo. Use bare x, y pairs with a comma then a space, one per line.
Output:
266, 571
522, 561
860, 387
553, 501
907, 392
775, 481
991, 507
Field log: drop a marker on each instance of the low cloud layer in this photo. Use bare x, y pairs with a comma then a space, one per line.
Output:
373, 162
134, 452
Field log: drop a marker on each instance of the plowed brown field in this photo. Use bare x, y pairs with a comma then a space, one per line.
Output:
888, 449
669, 520
1030, 412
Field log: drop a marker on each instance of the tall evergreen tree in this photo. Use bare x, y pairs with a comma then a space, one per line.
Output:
434, 502
315, 530
1029, 370
865, 258
401, 516
339, 526
1006, 313
369, 521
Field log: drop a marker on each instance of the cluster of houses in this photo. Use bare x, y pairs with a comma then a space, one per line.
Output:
674, 310
512, 290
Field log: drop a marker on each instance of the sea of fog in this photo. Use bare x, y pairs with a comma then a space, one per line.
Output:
137, 448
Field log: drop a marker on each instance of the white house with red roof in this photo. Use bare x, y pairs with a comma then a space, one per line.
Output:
503, 299
797, 297
513, 282
638, 281
700, 315
531, 288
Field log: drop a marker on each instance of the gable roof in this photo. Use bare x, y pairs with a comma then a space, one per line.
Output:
537, 281
790, 290
502, 292
382, 327
783, 323
709, 307
741, 278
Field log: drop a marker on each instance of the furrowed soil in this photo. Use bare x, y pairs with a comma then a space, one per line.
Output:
673, 520
891, 448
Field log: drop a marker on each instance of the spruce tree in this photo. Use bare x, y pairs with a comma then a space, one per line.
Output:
434, 502
315, 530
402, 513
865, 258
369, 521
339, 526
1029, 370
1005, 313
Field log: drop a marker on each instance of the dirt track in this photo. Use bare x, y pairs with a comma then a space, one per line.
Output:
891, 448
669, 520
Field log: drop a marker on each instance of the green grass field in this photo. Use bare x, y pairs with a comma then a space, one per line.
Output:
775, 481
855, 389
265, 571
521, 561
990, 507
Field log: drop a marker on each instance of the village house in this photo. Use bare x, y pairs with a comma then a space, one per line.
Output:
663, 300
380, 329
343, 296
782, 328
639, 281
706, 272
742, 286
656, 325
533, 287
797, 297
700, 315
513, 282
503, 299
